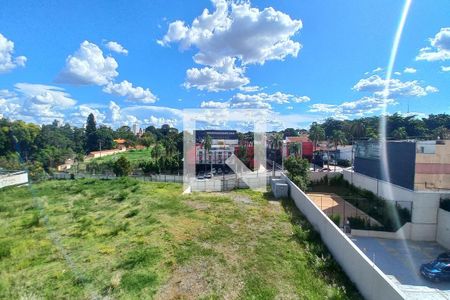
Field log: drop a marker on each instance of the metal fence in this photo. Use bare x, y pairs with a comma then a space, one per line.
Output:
333, 206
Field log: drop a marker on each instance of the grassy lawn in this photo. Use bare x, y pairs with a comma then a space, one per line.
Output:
131, 155
135, 240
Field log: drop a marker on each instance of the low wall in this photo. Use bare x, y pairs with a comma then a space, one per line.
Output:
12, 179
443, 228
403, 233
371, 282
380, 188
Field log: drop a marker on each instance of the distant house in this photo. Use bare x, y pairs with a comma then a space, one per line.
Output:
306, 146
120, 143
66, 166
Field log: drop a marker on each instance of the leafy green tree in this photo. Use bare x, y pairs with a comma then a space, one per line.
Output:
122, 167
295, 148
147, 139
298, 171
338, 138
316, 134
207, 145
91, 134
105, 137
399, 133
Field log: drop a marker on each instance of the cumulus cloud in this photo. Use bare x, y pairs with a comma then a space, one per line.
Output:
259, 100
409, 70
224, 76
214, 104
35, 103
83, 111
445, 69
397, 88
237, 30
158, 122
130, 92
349, 109
116, 47
439, 48
88, 65
7, 59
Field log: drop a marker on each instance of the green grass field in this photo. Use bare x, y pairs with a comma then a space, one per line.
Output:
131, 155
125, 239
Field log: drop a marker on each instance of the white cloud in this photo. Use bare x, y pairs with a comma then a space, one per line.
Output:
237, 30
116, 47
376, 70
439, 49
250, 88
158, 122
83, 111
7, 60
35, 103
409, 70
259, 101
445, 69
349, 109
131, 93
214, 104
88, 66
114, 112
224, 76
398, 73
397, 88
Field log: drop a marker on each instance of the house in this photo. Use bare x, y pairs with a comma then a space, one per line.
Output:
120, 144
414, 165
306, 146
68, 163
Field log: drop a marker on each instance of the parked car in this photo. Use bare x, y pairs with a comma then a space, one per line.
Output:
436, 271
201, 175
208, 175
445, 257
219, 171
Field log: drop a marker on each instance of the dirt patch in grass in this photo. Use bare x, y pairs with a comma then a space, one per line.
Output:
202, 278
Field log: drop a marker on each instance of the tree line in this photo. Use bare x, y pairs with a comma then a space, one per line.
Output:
41, 148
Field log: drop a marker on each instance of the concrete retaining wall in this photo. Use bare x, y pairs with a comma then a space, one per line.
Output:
403, 233
443, 228
370, 280
12, 179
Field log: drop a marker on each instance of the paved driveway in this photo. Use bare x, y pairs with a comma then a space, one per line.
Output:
401, 260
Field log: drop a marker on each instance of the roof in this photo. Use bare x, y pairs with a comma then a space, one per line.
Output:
297, 139
120, 141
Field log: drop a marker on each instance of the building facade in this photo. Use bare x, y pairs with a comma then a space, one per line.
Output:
414, 165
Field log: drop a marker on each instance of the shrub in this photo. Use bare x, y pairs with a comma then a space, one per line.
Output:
344, 163
298, 171
122, 167
336, 219
445, 204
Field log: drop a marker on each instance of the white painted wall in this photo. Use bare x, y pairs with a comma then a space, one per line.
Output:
13, 179
369, 279
443, 228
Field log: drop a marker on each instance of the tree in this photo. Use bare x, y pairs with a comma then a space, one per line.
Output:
147, 139
207, 146
316, 134
105, 137
122, 167
298, 171
358, 129
338, 138
400, 133
441, 133
295, 148
277, 144
91, 134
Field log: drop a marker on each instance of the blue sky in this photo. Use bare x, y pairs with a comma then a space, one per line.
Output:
144, 61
